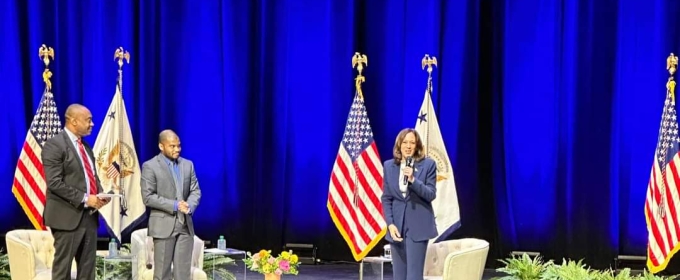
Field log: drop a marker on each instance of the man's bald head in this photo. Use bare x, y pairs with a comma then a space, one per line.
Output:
78, 120
166, 135
168, 143
74, 110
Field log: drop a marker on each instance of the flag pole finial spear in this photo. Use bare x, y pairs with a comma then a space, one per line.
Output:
46, 53
429, 62
359, 61
671, 66
120, 55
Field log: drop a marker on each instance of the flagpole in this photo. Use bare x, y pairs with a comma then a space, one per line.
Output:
120, 55
45, 53
671, 66
428, 61
359, 61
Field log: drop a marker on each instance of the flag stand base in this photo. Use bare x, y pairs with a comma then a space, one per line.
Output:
520, 253
632, 262
306, 252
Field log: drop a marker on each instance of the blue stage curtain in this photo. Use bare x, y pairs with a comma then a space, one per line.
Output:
578, 89
549, 110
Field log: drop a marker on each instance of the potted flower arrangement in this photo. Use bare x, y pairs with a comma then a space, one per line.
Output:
272, 267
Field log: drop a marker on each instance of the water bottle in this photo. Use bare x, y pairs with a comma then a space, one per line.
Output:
113, 248
221, 243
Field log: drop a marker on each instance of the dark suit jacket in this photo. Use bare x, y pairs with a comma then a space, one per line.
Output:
159, 194
415, 210
66, 185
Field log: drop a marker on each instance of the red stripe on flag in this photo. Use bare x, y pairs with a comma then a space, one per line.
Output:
652, 257
655, 230
667, 229
376, 177
37, 163
27, 202
367, 189
658, 231
656, 193
345, 226
669, 195
31, 181
345, 200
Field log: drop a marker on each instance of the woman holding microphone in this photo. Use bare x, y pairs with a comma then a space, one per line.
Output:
409, 182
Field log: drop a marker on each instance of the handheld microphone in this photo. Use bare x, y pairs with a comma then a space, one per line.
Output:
409, 163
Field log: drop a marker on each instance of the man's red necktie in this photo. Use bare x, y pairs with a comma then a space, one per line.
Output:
88, 168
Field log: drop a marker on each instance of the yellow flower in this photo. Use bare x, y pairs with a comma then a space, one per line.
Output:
294, 258
285, 255
262, 253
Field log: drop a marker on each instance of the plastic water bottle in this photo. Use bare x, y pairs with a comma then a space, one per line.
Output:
113, 248
221, 243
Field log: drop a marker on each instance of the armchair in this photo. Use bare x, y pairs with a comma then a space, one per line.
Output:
142, 247
31, 253
461, 259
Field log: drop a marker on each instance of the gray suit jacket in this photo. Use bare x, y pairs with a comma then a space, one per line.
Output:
66, 185
415, 210
159, 194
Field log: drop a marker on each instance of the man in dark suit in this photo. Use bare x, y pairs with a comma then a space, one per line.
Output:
170, 189
71, 200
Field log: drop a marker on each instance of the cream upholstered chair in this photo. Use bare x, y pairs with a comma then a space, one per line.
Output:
142, 247
31, 253
461, 259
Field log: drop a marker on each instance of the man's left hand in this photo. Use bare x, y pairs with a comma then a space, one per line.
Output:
183, 207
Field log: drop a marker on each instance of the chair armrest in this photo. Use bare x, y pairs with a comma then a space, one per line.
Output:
198, 274
465, 264
144, 274
21, 259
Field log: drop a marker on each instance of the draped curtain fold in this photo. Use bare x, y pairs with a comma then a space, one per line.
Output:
549, 109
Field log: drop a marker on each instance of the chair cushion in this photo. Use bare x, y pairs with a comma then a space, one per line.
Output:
42, 244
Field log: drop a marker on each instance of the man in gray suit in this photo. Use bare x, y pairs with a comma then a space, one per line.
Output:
71, 200
170, 189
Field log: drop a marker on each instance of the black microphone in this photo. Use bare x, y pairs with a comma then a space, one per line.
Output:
409, 163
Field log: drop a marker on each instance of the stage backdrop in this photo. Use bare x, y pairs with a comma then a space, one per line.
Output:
549, 110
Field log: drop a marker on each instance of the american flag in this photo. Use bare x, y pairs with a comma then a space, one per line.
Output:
662, 199
356, 185
29, 185
113, 171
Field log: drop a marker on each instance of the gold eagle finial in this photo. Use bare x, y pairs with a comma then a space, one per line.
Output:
672, 63
120, 55
358, 61
46, 53
429, 61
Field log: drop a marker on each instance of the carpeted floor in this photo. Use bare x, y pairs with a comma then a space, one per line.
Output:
340, 271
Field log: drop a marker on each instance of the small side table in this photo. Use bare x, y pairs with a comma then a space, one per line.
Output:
239, 269
111, 262
373, 268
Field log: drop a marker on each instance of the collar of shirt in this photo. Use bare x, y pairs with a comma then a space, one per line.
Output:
71, 136
169, 161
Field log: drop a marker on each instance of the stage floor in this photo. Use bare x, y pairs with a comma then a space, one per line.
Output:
341, 271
